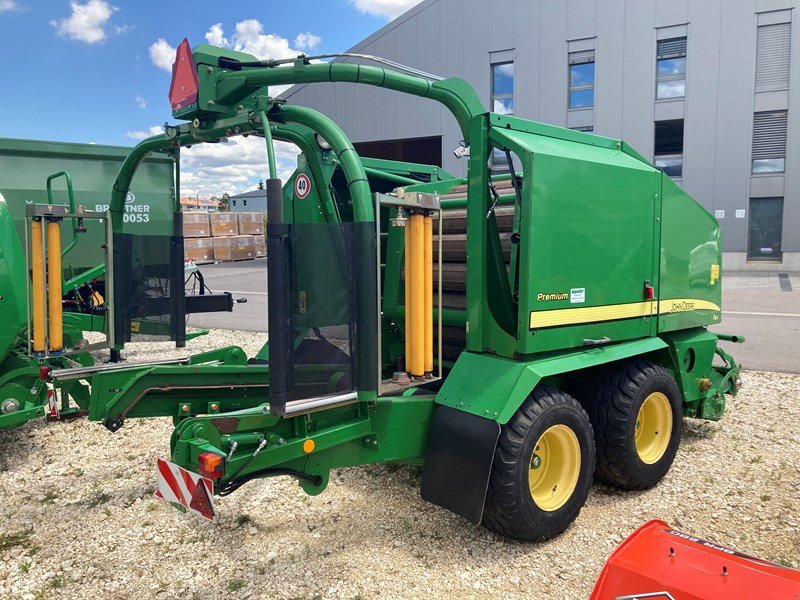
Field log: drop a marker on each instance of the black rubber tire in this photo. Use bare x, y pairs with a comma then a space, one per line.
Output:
613, 399
510, 509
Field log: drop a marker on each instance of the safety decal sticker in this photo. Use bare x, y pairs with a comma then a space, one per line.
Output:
302, 186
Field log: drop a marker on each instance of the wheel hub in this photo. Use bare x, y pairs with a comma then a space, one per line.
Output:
554, 468
653, 428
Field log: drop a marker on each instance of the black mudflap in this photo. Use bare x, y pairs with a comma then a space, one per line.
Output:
458, 461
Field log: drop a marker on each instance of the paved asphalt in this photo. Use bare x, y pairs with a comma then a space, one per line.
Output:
244, 279
753, 306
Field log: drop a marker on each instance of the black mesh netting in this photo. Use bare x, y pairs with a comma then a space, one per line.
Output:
328, 310
149, 298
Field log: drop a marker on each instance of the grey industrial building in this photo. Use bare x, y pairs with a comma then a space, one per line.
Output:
252, 201
704, 88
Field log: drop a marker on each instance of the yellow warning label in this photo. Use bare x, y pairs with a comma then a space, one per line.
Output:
714, 274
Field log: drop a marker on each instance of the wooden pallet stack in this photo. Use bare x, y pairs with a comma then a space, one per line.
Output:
223, 236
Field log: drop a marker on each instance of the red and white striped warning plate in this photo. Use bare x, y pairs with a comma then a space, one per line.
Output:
190, 490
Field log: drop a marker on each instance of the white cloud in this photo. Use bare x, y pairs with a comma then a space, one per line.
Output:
6, 5
162, 54
307, 41
120, 29
388, 9
86, 21
215, 37
140, 135
141, 101
235, 167
248, 37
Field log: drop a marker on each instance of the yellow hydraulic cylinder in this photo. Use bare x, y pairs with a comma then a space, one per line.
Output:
37, 286
417, 291
54, 292
428, 287
407, 286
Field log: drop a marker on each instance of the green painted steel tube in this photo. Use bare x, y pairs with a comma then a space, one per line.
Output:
727, 337
128, 169
450, 316
302, 138
399, 179
348, 157
85, 276
71, 198
273, 170
456, 94
449, 203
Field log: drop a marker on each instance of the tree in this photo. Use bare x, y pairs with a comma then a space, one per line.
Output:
225, 201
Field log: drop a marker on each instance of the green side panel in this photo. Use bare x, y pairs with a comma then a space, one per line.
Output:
26, 164
692, 353
691, 254
587, 242
494, 387
12, 282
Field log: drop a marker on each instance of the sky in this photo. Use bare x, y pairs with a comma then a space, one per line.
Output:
98, 71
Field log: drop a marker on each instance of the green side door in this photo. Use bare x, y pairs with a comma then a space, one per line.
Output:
587, 244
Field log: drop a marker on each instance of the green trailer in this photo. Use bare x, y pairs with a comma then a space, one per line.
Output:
26, 165
518, 334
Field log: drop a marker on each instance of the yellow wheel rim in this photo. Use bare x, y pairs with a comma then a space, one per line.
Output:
653, 428
555, 467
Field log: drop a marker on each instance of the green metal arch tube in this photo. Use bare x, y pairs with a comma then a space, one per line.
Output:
273, 171
352, 167
303, 138
128, 169
455, 93
363, 212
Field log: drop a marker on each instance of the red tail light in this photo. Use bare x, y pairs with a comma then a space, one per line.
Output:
209, 464
649, 291
184, 86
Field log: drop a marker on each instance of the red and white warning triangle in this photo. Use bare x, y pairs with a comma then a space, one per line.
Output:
185, 488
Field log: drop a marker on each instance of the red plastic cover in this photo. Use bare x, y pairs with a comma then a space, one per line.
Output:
184, 86
658, 562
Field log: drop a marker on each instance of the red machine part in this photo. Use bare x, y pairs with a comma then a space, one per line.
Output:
659, 563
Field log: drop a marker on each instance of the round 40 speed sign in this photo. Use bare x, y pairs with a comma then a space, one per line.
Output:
302, 186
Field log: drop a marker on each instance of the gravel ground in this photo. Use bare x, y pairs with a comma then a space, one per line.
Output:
79, 519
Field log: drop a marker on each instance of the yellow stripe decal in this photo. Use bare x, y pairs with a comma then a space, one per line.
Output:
613, 312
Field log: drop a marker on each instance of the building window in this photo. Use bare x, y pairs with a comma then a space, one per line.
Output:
671, 69
244, 202
234, 202
772, 57
669, 147
503, 88
581, 79
769, 141
587, 129
766, 224
502, 103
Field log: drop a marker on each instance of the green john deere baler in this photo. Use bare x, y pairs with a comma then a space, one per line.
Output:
516, 334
